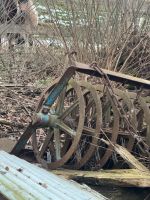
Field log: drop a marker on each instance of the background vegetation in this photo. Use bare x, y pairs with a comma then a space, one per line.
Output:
115, 33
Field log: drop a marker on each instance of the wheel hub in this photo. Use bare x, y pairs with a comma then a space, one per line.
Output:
45, 120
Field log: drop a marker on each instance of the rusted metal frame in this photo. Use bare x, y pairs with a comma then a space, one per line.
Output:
70, 109
113, 76
131, 129
132, 94
60, 104
51, 133
83, 68
59, 86
128, 97
63, 82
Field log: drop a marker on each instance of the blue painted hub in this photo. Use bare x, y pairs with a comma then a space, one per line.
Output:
45, 120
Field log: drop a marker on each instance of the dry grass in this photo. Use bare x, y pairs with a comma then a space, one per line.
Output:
113, 33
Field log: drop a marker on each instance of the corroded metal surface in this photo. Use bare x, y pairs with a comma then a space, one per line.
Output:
115, 130
114, 76
93, 121
76, 119
101, 110
64, 128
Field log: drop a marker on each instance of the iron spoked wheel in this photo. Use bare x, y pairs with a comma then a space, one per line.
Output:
125, 138
142, 146
124, 98
92, 125
61, 138
109, 130
143, 119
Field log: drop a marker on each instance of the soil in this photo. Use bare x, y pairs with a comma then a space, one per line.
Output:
7, 144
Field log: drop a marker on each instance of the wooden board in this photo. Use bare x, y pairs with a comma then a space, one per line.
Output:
129, 158
123, 178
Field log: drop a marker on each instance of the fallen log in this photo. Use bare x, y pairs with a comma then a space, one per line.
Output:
122, 178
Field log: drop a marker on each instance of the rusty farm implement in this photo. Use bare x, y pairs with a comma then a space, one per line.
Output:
76, 124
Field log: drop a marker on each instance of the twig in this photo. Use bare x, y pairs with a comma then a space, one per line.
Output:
10, 123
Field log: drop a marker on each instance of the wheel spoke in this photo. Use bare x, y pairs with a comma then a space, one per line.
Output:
89, 105
57, 143
69, 110
89, 131
66, 129
46, 142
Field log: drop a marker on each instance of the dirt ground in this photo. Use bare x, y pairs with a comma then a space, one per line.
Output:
17, 105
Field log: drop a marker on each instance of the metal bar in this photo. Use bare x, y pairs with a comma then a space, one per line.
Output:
86, 69
23, 140
113, 76
60, 86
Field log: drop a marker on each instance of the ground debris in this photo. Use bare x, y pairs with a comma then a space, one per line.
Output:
16, 107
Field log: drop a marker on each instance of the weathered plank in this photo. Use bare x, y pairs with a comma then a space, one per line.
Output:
123, 178
129, 158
